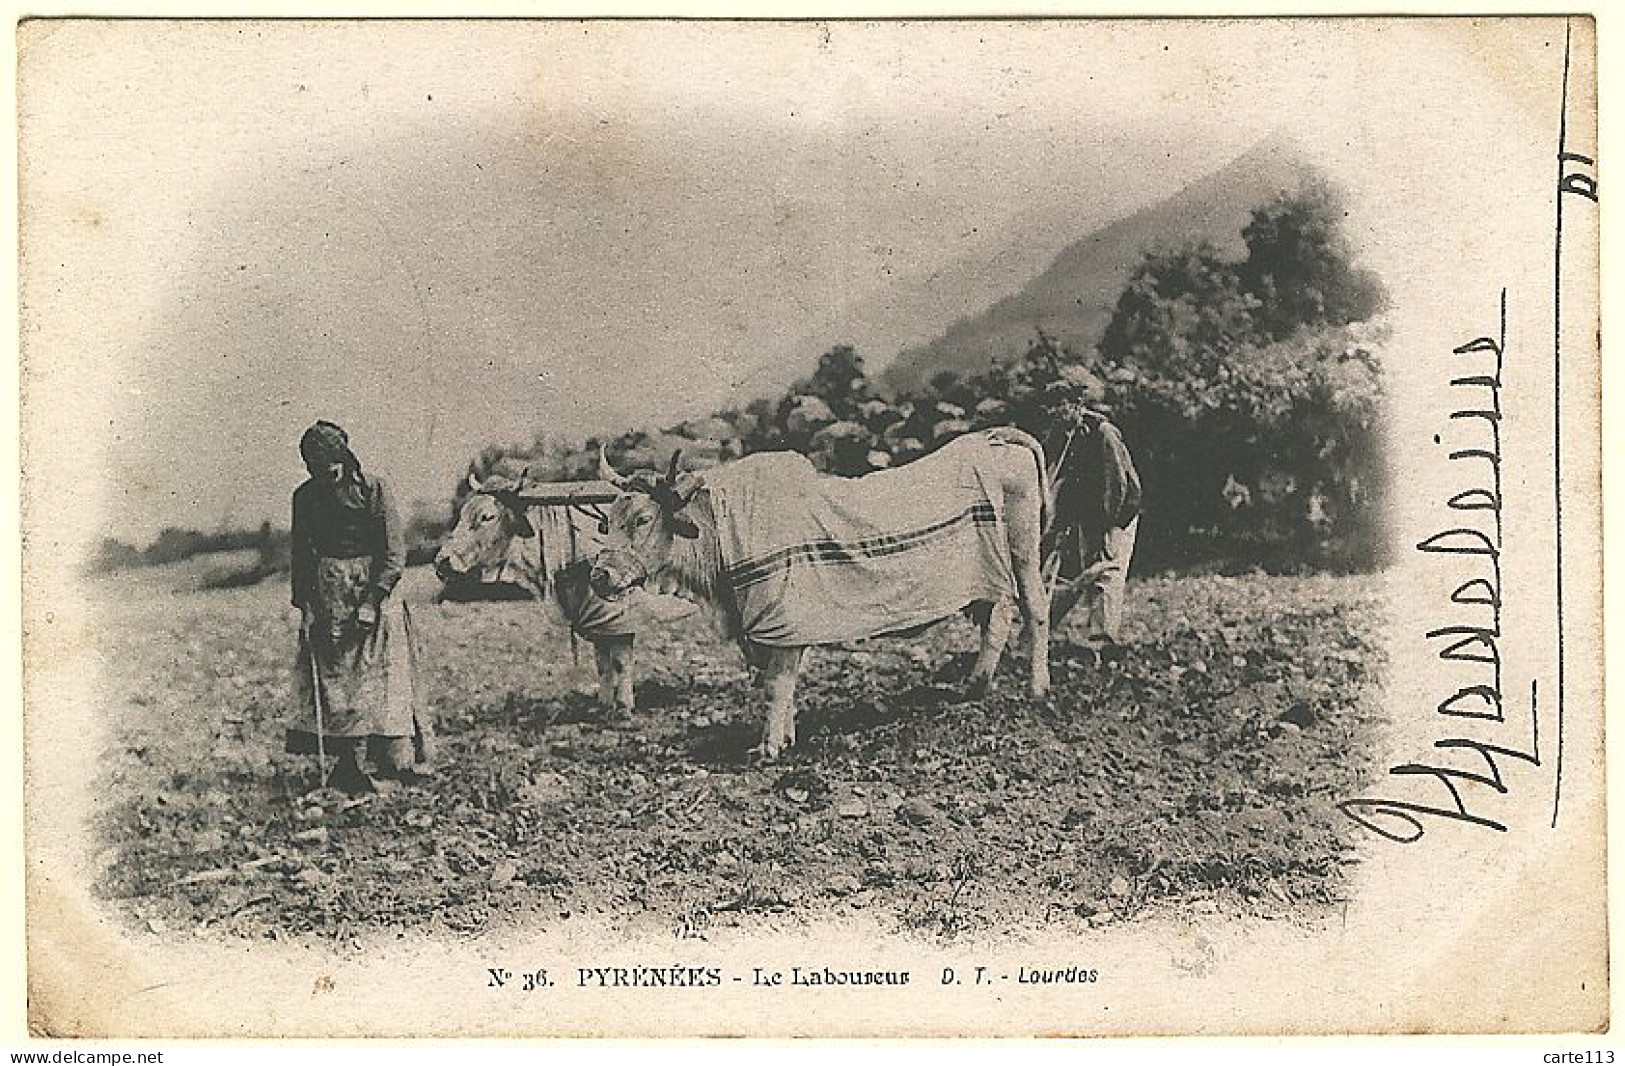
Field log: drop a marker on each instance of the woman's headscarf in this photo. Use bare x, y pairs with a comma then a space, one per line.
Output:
325, 443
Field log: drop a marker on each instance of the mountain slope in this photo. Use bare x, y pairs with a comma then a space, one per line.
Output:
1073, 298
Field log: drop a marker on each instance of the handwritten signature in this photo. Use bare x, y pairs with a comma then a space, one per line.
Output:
1469, 647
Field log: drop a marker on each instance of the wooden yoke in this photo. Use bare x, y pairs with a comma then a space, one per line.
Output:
566, 493
588, 497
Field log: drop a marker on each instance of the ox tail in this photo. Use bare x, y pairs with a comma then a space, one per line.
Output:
1012, 435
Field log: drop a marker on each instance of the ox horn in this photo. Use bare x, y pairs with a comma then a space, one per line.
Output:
607, 472
671, 480
512, 497
474, 482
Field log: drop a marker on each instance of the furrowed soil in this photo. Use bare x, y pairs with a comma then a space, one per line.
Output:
1198, 769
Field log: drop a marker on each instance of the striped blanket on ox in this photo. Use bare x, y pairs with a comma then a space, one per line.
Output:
818, 560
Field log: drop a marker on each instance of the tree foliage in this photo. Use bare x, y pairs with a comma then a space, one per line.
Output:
1300, 267
1252, 396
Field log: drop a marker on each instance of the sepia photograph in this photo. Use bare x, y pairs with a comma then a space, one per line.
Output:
811, 528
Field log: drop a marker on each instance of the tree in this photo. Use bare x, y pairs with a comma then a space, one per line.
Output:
760, 430
1300, 267
825, 416
1181, 315
840, 380
113, 554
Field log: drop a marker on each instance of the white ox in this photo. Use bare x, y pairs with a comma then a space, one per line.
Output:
546, 549
790, 559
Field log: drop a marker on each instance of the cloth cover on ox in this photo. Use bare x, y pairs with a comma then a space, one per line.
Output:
817, 560
559, 558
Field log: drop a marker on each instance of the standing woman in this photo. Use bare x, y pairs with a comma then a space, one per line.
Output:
356, 680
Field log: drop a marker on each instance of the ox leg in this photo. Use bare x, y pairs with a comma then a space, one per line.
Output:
614, 655
780, 669
1034, 600
1035, 608
993, 619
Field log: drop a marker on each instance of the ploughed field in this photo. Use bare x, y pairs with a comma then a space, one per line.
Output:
1198, 770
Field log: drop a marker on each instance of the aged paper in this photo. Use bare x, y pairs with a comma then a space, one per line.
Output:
1353, 786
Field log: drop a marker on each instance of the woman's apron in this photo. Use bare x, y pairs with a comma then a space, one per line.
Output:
366, 681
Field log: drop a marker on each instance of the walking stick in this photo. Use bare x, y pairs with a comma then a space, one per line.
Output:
316, 697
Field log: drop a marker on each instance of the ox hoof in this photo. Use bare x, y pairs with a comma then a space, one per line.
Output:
979, 688
769, 752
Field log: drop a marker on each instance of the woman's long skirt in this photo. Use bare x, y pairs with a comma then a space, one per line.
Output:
363, 685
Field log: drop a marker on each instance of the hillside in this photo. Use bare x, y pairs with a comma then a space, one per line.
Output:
1073, 298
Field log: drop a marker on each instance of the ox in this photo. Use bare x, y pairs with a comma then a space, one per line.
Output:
503, 536
790, 559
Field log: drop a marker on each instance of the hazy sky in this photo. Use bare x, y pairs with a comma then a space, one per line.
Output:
446, 235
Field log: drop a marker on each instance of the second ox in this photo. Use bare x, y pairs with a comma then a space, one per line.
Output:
791, 559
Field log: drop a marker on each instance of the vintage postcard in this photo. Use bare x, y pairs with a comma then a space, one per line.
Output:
671, 528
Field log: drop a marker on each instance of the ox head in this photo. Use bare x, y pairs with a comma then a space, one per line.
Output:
482, 542
644, 524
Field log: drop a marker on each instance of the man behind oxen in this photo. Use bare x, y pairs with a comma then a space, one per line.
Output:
1097, 508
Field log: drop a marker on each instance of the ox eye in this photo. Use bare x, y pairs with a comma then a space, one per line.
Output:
643, 520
